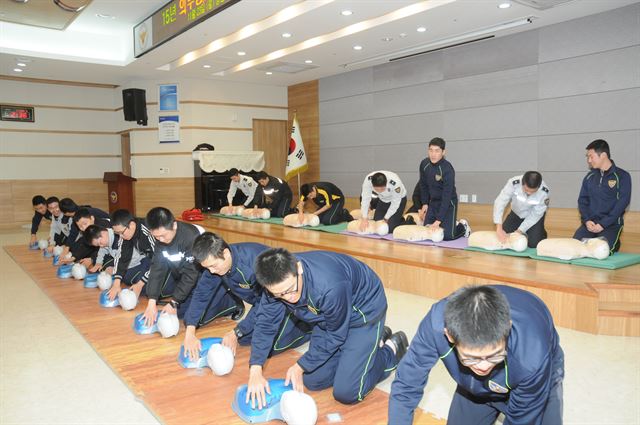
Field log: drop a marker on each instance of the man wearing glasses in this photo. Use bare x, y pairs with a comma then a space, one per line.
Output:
229, 268
500, 346
344, 302
135, 250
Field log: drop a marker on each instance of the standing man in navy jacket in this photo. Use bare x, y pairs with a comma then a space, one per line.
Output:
604, 196
500, 346
344, 301
438, 193
229, 268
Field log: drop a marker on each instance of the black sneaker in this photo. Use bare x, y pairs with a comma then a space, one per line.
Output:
400, 341
239, 311
386, 334
409, 220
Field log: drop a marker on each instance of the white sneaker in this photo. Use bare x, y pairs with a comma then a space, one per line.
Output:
467, 228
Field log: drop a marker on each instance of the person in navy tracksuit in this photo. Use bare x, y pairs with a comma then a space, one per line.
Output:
344, 301
604, 196
229, 268
438, 192
500, 346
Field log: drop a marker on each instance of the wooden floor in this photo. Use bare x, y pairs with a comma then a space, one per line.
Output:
582, 298
147, 364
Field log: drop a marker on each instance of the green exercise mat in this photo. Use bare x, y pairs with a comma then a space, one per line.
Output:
615, 261
526, 253
329, 228
272, 220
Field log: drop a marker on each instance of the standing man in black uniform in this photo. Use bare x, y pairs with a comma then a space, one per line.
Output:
39, 212
277, 194
604, 196
329, 200
438, 193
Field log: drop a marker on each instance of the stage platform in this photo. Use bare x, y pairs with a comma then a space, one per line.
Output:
148, 364
591, 300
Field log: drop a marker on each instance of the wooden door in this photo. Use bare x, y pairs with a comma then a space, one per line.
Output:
271, 137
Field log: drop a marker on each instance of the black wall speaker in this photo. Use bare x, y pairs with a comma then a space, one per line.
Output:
134, 105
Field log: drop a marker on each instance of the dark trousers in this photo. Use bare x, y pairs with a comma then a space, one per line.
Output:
166, 291
134, 274
59, 239
355, 369
611, 234
81, 250
396, 219
291, 334
451, 229
335, 213
535, 234
282, 207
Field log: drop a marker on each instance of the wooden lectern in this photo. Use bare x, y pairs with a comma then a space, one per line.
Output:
120, 191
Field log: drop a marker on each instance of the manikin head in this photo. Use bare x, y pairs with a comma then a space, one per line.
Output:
280, 274
436, 149
39, 204
213, 253
234, 175
598, 155
83, 218
162, 224
478, 321
379, 182
123, 224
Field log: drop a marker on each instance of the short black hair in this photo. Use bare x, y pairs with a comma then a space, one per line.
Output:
378, 180
52, 199
600, 146
37, 200
233, 172
160, 217
68, 206
208, 244
275, 265
532, 179
121, 217
262, 175
305, 190
92, 233
81, 213
439, 142
477, 316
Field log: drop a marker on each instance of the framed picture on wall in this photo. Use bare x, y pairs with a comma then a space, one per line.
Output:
168, 97
17, 113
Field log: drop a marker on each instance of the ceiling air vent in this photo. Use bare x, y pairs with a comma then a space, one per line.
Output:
542, 4
286, 67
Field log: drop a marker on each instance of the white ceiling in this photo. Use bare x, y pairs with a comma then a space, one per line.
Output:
94, 49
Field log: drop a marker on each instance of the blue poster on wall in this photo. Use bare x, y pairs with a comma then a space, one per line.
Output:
168, 97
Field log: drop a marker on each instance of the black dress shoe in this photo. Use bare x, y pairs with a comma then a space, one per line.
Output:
400, 341
239, 311
386, 334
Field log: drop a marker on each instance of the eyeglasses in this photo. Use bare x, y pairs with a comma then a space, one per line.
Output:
293, 288
493, 359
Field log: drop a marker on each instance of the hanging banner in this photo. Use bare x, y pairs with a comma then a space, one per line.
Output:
169, 129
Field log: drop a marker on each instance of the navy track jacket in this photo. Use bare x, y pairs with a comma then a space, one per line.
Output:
604, 196
437, 186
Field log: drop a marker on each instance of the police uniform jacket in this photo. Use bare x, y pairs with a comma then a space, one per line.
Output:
604, 196
276, 189
175, 258
393, 193
534, 362
531, 208
326, 194
338, 293
132, 252
247, 185
37, 218
241, 280
438, 186
111, 249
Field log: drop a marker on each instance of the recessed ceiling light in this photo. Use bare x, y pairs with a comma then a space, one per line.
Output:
403, 34
105, 16
17, 70
387, 38
357, 47
308, 61
421, 29
242, 53
504, 5
346, 13
21, 64
206, 66
286, 35
269, 73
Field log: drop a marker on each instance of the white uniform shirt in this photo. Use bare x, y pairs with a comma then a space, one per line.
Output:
531, 208
393, 193
247, 185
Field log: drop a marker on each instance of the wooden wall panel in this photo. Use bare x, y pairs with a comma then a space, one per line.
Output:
17, 194
272, 137
176, 194
303, 101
